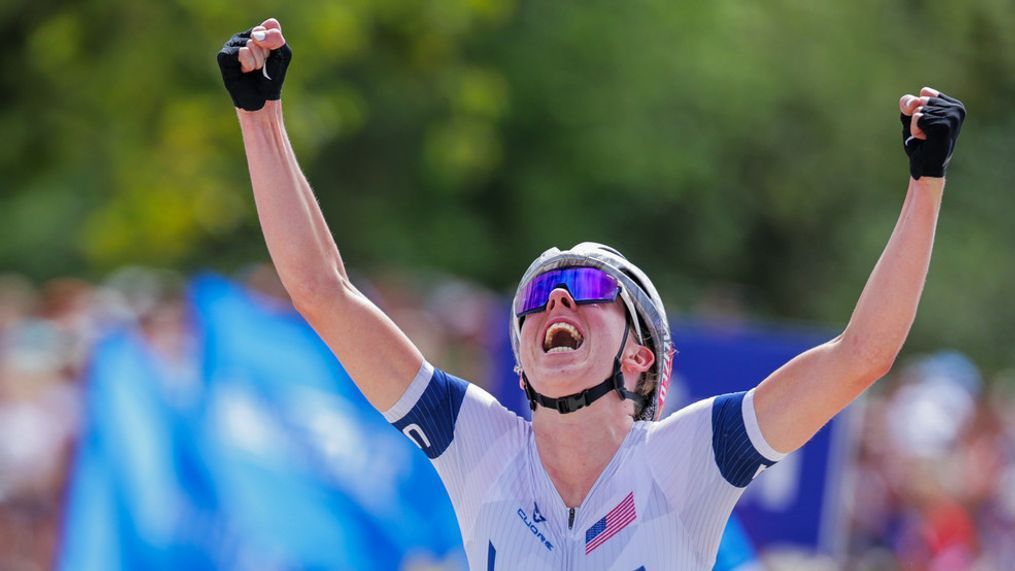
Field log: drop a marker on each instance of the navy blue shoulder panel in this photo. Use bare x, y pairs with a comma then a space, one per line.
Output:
431, 422
735, 455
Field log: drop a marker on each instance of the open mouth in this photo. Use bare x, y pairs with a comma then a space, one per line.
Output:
561, 337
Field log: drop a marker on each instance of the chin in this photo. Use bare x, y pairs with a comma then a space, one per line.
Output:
559, 375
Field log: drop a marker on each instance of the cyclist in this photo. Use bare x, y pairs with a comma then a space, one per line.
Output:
596, 480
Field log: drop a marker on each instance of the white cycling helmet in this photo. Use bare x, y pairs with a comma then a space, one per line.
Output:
649, 322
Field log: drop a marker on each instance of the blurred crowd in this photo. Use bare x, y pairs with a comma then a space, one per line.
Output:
48, 330
46, 334
933, 481
931, 487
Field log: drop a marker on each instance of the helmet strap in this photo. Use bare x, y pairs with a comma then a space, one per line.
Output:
570, 403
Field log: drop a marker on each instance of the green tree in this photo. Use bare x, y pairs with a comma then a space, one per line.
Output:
713, 142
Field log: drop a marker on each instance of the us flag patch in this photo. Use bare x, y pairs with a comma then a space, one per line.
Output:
617, 519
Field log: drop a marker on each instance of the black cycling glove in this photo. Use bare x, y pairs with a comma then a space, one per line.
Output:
941, 122
250, 90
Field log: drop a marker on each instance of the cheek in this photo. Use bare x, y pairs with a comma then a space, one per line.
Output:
605, 319
525, 336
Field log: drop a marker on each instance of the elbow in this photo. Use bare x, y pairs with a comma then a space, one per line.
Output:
878, 368
310, 295
870, 359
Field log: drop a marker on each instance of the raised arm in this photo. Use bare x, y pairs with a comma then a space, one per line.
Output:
374, 351
795, 401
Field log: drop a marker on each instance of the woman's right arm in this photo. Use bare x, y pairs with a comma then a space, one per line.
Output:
378, 356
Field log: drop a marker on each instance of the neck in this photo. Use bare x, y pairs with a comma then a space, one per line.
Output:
575, 448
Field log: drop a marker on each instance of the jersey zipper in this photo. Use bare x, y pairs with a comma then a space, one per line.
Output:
567, 551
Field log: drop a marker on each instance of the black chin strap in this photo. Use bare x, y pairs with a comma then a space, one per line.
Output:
577, 401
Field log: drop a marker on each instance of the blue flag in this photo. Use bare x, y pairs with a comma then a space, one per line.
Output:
271, 458
128, 506
281, 405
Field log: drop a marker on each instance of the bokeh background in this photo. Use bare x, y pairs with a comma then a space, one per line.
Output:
747, 157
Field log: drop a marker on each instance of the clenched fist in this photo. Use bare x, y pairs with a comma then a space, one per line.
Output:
253, 65
930, 127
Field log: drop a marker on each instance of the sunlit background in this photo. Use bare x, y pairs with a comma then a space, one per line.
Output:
161, 407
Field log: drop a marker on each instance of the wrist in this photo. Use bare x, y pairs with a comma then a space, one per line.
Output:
270, 114
927, 184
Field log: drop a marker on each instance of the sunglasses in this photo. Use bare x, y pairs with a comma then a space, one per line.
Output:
586, 285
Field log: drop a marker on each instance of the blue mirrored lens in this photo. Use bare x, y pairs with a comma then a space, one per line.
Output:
586, 285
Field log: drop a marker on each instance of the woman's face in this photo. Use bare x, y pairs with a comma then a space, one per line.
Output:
569, 347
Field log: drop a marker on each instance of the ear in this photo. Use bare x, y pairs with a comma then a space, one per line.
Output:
638, 360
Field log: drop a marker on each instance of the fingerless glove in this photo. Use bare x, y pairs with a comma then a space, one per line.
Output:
941, 122
250, 90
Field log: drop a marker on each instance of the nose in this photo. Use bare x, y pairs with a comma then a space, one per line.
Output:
560, 296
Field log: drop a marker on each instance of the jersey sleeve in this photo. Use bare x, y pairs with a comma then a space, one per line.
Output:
428, 410
703, 456
466, 433
740, 450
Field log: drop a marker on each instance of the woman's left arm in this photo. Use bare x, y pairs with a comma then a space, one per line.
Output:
795, 401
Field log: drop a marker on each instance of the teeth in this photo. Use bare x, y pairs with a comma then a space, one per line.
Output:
557, 328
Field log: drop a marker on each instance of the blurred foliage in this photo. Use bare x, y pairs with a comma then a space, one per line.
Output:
753, 146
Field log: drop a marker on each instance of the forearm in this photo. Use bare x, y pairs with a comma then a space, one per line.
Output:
370, 346
802, 395
795, 401
886, 309
298, 239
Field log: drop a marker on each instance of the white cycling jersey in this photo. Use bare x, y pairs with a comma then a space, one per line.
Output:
661, 503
